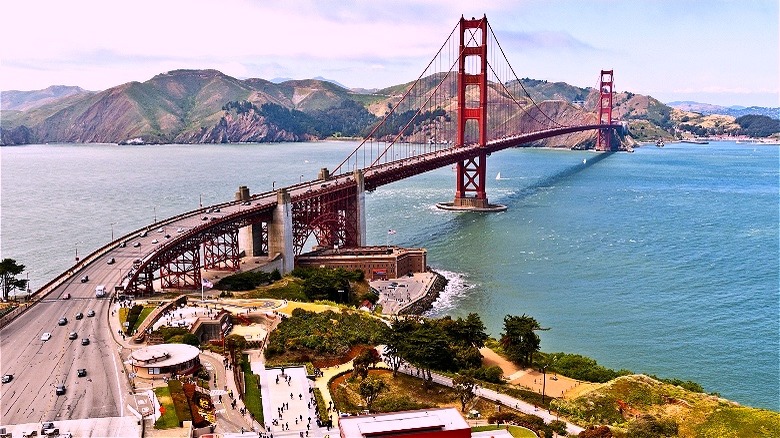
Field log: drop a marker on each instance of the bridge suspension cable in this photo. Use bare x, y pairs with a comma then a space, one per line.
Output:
421, 117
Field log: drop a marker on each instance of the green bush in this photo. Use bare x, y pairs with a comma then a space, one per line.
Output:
322, 408
325, 283
326, 333
491, 374
578, 367
247, 280
253, 398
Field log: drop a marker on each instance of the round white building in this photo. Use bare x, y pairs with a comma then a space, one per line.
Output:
164, 360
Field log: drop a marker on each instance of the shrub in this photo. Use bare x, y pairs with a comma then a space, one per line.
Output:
247, 280
491, 374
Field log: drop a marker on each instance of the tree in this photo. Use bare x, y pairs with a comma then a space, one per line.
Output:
368, 357
427, 348
370, 389
519, 340
394, 339
235, 344
190, 339
9, 270
464, 388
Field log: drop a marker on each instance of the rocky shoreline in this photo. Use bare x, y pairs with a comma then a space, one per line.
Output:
426, 302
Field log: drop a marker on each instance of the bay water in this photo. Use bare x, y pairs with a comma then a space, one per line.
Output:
664, 261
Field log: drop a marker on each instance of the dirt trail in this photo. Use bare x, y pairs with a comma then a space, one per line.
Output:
553, 384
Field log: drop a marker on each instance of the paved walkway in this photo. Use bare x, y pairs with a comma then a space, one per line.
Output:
503, 399
399, 293
229, 417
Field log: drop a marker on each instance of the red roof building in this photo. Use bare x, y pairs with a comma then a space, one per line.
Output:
434, 423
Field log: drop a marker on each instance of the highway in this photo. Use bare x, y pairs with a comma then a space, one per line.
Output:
39, 366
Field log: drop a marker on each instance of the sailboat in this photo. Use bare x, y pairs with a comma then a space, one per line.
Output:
498, 177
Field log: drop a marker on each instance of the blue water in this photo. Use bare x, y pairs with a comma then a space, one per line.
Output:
664, 261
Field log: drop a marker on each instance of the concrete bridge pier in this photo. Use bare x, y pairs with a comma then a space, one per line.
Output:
250, 238
280, 232
360, 206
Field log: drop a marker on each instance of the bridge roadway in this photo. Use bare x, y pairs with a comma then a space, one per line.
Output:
38, 366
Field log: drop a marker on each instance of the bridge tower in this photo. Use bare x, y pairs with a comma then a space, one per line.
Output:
472, 110
604, 140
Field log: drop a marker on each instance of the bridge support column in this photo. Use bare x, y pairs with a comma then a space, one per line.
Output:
252, 239
604, 139
360, 207
471, 180
280, 232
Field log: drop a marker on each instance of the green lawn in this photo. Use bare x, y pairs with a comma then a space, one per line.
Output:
142, 316
252, 398
289, 288
169, 419
515, 431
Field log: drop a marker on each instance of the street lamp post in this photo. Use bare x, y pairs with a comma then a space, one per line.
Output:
112, 231
273, 185
300, 180
544, 381
76, 247
155, 213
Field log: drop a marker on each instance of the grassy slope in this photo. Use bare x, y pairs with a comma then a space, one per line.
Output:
169, 419
696, 414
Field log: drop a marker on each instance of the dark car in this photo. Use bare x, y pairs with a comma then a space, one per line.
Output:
85, 279
79, 315
82, 372
7, 378
91, 313
60, 390
72, 336
62, 321
85, 341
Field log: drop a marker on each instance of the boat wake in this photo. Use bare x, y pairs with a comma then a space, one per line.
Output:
457, 288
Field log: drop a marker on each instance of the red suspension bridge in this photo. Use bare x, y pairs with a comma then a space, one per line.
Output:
467, 104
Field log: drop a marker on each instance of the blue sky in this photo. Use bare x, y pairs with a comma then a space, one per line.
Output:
714, 51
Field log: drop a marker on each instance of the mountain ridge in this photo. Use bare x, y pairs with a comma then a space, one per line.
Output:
208, 106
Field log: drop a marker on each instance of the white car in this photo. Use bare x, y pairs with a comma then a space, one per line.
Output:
45, 337
155, 241
137, 244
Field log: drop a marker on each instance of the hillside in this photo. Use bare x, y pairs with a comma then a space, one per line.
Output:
207, 106
635, 405
733, 111
15, 100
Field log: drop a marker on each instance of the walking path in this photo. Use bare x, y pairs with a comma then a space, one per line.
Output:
489, 394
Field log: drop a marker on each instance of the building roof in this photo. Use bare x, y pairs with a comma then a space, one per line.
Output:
163, 355
445, 419
363, 251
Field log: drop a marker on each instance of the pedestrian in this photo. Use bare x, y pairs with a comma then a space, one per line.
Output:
291, 395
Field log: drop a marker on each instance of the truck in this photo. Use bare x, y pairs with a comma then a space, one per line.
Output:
100, 291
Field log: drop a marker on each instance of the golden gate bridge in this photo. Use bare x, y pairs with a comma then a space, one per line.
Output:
465, 105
